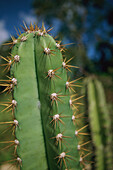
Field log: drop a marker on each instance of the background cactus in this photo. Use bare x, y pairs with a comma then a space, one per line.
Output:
44, 108
100, 124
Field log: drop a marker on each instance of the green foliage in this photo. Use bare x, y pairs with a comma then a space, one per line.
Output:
5, 132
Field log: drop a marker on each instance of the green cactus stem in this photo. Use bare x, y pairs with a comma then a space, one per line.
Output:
100, 125
44, 105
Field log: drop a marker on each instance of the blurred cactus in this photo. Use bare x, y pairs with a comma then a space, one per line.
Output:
44, 105
100, 124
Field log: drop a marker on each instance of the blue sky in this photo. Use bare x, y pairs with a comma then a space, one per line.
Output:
12, 14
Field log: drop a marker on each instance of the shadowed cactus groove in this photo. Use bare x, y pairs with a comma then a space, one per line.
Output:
44, 104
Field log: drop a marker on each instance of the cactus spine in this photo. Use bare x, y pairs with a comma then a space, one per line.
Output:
43, 104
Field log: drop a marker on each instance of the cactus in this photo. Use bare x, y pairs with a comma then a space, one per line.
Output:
44, 105
100, 125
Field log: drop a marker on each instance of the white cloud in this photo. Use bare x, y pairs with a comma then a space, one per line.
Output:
27, 17
4, 34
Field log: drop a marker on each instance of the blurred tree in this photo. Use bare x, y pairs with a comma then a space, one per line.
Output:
105, 51
85, 22
5, 50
